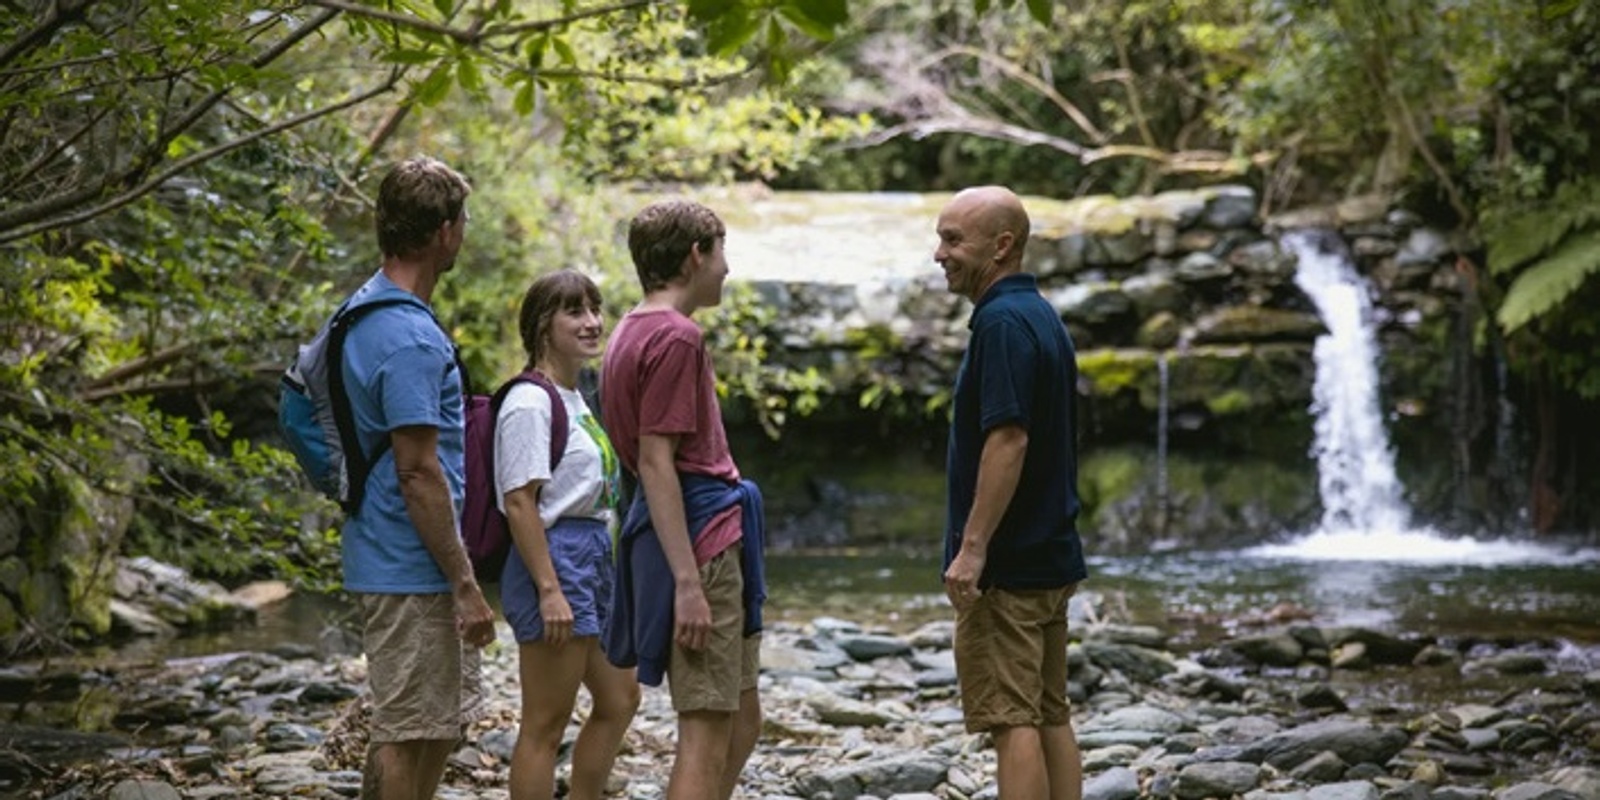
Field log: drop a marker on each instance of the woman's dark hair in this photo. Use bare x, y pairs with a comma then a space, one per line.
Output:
562, 290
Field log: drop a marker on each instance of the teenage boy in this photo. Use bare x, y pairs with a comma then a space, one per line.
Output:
689, 574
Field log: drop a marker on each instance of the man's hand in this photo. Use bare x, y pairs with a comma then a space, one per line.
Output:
474, 618
691, 616
961, 579
556, 613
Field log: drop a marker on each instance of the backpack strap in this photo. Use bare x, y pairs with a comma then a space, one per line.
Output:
560, 424
358, 462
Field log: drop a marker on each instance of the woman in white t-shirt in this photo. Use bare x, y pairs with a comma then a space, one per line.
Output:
556, 587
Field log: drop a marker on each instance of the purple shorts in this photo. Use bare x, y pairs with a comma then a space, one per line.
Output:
580, 550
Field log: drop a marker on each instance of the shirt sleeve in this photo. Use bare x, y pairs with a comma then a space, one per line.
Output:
410, 384
522, 440
1004, 356
670, 388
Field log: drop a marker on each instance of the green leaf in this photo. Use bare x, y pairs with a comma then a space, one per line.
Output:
445, 7
806, 20
980, 6
468, 76
1523, 237
730, 32
433, 88
1547, 283
524, 102
1040, 10
564, 50
714, 10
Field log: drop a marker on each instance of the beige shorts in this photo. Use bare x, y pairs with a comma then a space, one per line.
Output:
712, 679
426, 683
1011, 659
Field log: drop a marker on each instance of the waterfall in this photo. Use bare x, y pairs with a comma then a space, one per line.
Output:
1163, 402
1364, 517
1355, 461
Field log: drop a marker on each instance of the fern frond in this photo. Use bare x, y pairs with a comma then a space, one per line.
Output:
1547, 283
1524, 236
1517, 238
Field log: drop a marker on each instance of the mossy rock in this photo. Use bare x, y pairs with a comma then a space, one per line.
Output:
1252, 324
1210, 499
1110, 371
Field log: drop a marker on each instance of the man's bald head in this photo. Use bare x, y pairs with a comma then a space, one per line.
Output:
995, 210
982, 232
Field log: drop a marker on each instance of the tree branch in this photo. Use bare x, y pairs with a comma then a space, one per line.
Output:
61, 13
577, 16
195, 383
266, 57
477, 35
466, 37
179, 166
1027, 79
992, 129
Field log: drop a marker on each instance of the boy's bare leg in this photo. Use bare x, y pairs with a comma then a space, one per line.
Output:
746, 729
1021, 773
704, 741
1063, 762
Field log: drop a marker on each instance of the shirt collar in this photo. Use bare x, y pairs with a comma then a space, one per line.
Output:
1014, 283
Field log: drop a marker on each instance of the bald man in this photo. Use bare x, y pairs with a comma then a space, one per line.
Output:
1012, 552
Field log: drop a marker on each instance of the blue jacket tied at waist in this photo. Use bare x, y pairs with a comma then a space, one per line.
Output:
640, 632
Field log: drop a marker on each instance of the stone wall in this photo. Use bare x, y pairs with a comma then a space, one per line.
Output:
1190, 291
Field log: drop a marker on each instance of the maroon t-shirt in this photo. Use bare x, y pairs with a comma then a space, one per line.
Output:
657, 379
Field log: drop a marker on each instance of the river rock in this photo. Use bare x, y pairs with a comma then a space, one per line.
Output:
1136, 718
1509, 664
1217, 779
1581, 781
1320, 768
1354, 741
866, 647
1347, 790
1117, 783
881, 776
1379, 647
144, 790
1138, 663
1534, 790
1273, 650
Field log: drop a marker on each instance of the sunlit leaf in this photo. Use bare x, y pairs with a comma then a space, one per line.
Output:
731, 31
1549, 282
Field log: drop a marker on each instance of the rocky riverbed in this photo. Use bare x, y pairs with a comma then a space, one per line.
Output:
1285, 710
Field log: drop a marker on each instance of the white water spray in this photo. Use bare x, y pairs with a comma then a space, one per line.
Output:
1364, 515
1355, 461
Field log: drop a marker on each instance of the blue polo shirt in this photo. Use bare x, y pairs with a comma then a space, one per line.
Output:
400, 370
1020, 368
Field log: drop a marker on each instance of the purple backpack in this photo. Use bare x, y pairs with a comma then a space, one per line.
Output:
484, 531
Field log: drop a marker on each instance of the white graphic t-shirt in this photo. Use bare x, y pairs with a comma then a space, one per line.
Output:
585, 482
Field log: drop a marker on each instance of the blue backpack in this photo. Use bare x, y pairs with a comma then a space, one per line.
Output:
314, 410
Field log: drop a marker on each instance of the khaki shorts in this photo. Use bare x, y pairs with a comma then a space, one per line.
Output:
1011, 659
712, 679
426, 683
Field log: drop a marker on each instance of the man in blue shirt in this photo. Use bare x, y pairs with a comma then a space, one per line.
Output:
424, 614
1012, 552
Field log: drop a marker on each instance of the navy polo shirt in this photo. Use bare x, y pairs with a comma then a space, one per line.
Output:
1019, 368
